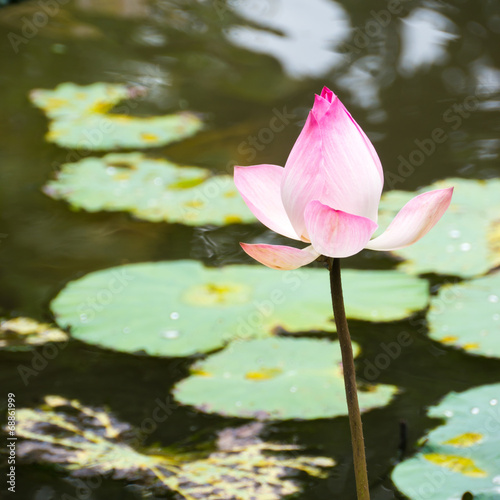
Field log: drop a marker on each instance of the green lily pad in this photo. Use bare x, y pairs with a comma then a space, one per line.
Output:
86, 441
276, 378
26, 333
460, 455
467, 315
466, 241
181, 308
80, 119
151, 189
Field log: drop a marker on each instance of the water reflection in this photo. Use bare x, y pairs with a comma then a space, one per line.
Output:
487, 83
303, 36
238, 62
362, 81
425, 35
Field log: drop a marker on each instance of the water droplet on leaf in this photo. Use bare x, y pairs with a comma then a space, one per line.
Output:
170, 334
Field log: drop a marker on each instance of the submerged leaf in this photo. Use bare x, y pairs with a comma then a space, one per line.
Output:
25, 333
466, 242
181, 308
81, 119
460, 455
87, 441
150, 189
467, 315
276, 378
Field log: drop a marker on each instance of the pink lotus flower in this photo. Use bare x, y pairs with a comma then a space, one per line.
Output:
328, 194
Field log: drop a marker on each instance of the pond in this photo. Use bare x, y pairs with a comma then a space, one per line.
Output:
421, 77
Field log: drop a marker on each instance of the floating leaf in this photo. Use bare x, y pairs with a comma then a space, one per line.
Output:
85, 441
181, 308
151, 189
26, 333
80, 119
275, 378
466, 242
460, 455
467, 315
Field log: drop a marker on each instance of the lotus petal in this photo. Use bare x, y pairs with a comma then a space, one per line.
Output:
279, 256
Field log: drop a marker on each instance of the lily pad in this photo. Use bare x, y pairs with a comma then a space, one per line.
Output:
87, 441
151, 189
467, 315
26, 333
460, 455
81, 119
466, 242
276, 378
181, 308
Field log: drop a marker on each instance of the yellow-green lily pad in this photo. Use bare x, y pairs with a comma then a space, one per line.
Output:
460, 455
275, 378
467, 315
465, 242
181, 308
80, 118
26, 333
150, 189
86, 441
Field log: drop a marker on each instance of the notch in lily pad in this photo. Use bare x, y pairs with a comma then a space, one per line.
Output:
276, 379
467, 315
86, 441
81, 117
459, 455
181, 308
150, 189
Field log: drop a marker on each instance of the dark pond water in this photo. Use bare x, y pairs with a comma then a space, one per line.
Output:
238, 64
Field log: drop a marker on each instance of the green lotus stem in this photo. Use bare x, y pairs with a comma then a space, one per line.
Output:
358, 442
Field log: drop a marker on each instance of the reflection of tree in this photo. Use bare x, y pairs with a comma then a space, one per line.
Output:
413, 94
